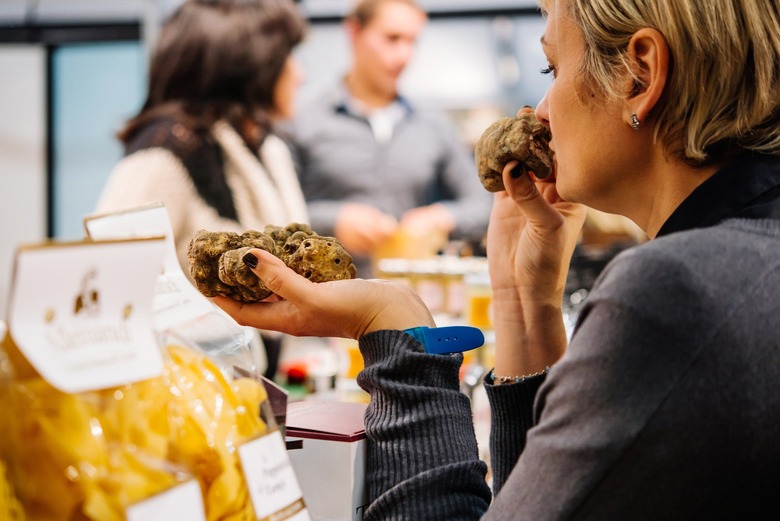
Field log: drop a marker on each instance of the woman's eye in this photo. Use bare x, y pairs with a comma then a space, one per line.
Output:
549, 69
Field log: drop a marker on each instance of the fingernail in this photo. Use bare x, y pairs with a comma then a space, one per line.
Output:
250, 260
516, 172
527, 107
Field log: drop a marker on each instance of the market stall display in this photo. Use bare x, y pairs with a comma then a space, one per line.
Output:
94, 428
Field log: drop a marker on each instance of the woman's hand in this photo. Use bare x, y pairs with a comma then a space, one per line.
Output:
530, 241
344, 308
531, 236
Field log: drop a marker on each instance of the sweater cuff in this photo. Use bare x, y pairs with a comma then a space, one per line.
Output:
509, 400
395, 356
512, 415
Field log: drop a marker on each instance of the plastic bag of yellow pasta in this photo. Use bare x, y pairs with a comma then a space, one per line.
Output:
84, 456
89, 456
212, 415
10, 508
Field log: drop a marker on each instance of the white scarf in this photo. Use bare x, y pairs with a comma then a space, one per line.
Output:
263, 193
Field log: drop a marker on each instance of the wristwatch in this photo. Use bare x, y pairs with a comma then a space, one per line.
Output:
448, 339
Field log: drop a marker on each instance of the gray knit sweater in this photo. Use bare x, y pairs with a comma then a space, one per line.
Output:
424, 162
666, 404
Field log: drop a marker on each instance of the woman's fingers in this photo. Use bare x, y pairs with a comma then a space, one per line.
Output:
523, 190
276, 276
274, 314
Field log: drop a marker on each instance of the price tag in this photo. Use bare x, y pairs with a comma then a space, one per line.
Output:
271, 480
182, 503
80, 312
176, 300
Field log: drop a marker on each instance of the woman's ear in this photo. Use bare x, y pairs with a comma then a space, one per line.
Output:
648, 53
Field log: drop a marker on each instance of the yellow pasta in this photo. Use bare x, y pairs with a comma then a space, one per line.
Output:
90, 455
10, 508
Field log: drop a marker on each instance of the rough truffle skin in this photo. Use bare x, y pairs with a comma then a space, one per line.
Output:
521, 138
217, 266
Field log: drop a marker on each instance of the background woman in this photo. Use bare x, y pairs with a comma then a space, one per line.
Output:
203, 144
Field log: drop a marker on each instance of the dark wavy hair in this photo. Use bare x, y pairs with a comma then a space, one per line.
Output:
220, 59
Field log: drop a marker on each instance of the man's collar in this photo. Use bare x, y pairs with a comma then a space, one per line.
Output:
344, 103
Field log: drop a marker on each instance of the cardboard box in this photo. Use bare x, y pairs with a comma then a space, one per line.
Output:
330, 466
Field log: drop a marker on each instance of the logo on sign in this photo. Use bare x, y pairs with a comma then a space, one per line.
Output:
88, 299
87, 331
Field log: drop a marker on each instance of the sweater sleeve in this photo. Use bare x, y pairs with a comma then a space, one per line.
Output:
155, 175
599, 425
511, 416
422, 459
651, 413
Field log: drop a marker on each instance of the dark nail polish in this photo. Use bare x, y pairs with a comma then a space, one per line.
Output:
516, 172
250, 260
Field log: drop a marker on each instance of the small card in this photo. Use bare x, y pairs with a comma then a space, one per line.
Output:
81, 312
271, 479
182, 503
176, 300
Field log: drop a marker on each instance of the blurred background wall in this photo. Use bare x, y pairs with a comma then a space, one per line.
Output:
72, 71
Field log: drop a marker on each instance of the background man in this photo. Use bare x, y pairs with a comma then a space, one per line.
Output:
371, 163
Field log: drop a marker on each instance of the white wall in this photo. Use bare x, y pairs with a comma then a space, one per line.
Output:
22, 154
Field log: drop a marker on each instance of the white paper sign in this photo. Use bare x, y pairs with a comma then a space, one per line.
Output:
176, 300
182, 503
271, 479
80, 312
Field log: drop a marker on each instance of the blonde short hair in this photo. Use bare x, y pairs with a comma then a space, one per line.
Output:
723, 90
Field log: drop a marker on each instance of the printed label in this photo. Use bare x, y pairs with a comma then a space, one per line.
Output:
182, 503
80, 312
176, 300
271, 479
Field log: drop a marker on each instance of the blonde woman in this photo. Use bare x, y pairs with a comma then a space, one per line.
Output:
665, 403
